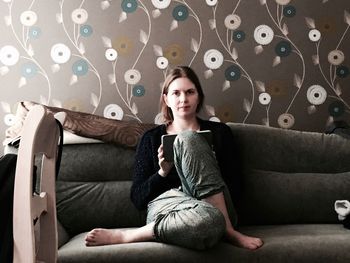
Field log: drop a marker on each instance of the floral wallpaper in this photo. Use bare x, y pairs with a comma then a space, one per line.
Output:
280, 63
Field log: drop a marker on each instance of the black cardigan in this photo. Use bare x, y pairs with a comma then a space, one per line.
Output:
148, 184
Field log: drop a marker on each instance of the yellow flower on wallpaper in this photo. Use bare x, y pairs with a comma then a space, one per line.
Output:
174, 53
225, 113
328, 25
277, 88
74, 105
123, 45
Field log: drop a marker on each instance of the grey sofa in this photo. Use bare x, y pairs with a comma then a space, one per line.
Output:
289, 181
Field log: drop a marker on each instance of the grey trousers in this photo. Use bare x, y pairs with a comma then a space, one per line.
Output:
181, 217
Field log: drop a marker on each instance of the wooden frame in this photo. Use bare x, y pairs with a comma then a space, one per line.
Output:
34, 215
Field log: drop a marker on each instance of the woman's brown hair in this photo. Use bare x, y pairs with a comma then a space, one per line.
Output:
179, 72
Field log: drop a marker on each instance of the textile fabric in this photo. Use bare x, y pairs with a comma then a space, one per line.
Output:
180, 217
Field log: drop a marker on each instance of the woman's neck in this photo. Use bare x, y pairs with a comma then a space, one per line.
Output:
180, 125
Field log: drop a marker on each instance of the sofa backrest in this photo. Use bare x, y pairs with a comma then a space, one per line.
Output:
93, 188
289, 176
285, 177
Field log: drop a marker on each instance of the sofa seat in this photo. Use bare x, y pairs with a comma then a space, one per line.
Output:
283, 243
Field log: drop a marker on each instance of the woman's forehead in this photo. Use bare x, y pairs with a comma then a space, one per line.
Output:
181, 84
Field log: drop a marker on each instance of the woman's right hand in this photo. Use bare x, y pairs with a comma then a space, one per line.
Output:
165, 166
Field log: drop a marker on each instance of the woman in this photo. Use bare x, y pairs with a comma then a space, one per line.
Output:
185, 199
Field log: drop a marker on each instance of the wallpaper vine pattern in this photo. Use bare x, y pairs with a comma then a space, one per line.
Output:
280, 63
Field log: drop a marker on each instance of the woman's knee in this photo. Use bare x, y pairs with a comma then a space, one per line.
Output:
200, 227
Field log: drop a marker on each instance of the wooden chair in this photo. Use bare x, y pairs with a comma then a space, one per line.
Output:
34, 214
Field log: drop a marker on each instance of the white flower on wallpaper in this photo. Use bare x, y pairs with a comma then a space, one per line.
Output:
9, 118
111, 54
113, 111
314, 35
316, 94
211, 36
232, 21
283, 49
161, 4
235, 70
28, 18
60, 53
21, 50
337, 71
211, 2
213, 59
74, 52
162, 62
80, 16
263, 35
9, 55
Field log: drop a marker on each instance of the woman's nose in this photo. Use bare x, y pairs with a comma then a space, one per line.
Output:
183, 97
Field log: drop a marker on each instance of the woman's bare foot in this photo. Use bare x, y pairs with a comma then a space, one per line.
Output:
240, 240
101, 236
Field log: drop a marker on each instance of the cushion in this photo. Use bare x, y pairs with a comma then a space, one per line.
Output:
285, 198
93, 188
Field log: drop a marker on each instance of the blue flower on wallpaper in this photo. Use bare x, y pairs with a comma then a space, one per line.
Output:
34, 32
283, 48
289, 11
138, 91
86, 30
336, 108
238, 36
80, 67
180, 13
342, 71
129, 6
29, 70
232, 73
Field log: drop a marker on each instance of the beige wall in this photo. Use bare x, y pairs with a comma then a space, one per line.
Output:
282, 63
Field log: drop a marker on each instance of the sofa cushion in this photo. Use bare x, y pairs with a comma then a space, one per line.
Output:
96, 162
286, 198
93, 188
290, 151
83, 206
322, 243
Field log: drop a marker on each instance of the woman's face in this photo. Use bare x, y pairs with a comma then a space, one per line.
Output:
182, 98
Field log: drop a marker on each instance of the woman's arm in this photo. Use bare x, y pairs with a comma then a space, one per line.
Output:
147, 183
